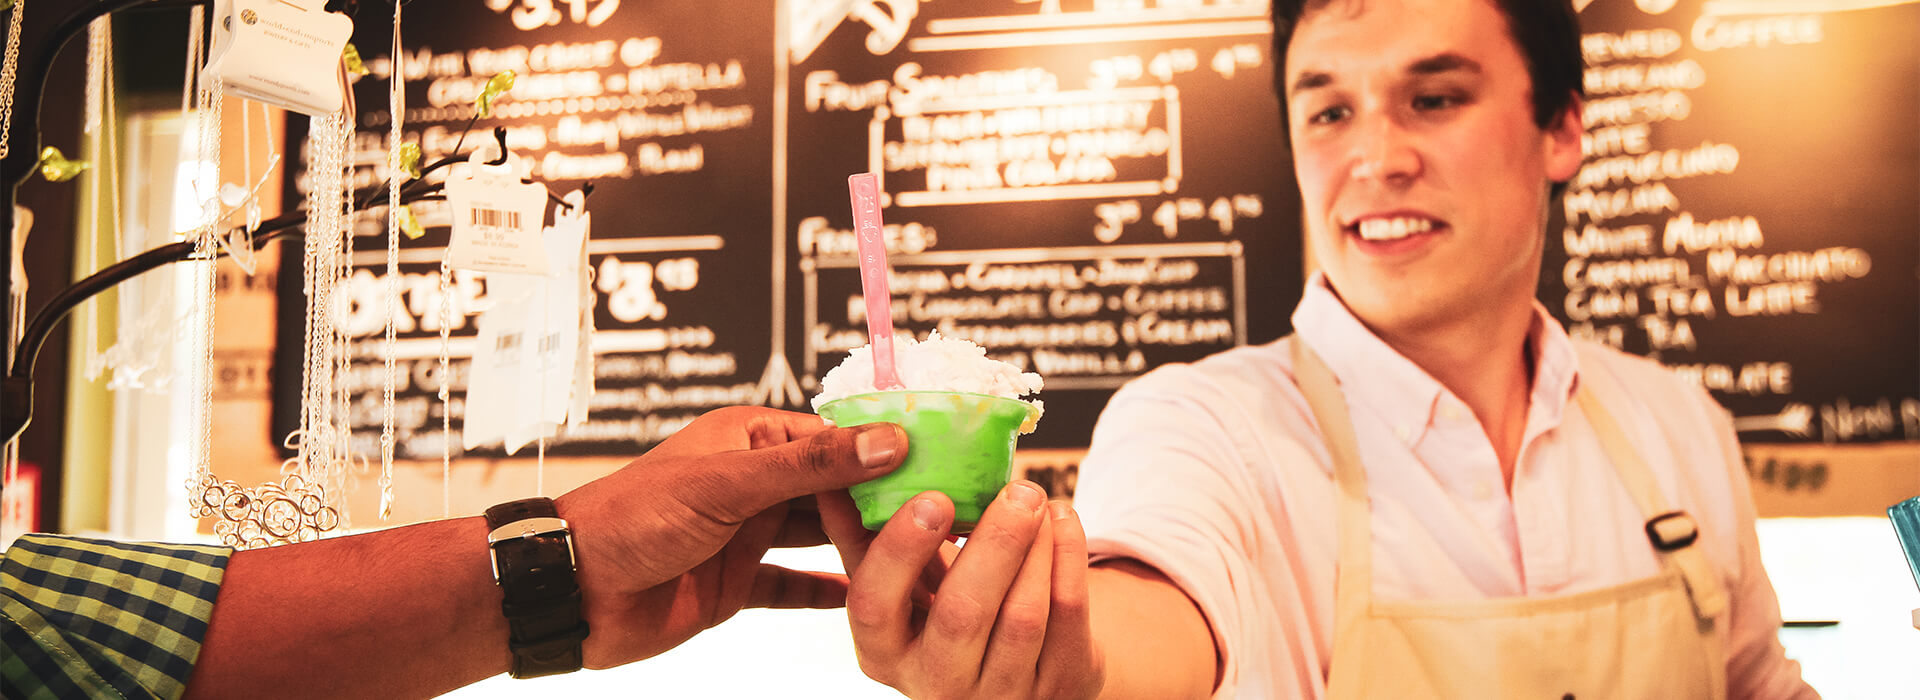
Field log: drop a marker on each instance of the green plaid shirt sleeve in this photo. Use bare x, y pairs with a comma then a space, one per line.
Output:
93, 619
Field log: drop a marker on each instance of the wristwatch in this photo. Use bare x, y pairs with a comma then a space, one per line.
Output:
532, 552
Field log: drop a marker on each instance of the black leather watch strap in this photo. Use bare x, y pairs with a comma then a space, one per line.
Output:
533, 563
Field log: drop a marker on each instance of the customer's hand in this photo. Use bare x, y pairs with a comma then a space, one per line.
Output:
671, 544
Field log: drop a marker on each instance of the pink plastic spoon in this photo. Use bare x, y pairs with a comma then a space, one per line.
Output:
864, 189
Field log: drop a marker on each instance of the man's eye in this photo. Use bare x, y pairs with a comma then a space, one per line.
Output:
1329, 115
1427, 103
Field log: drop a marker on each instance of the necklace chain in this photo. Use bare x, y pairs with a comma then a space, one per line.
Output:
9, 71
396, 106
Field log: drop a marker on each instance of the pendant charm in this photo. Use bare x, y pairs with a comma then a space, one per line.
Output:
292, 510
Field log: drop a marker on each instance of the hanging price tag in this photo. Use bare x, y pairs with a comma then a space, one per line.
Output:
559, 350
500, 393
523, 380
286, 53
496, 218
583, 358
556, 324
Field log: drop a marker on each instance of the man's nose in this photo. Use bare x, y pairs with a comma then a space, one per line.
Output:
1383, 153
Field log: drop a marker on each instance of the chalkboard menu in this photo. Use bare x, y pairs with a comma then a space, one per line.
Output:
1749, 210
1087, 189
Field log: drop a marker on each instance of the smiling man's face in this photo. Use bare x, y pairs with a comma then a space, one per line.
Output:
1423, 175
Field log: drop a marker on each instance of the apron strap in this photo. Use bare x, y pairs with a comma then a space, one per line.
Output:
1354, 579
1671, 532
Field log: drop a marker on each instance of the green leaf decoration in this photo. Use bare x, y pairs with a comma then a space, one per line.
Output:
352, 56
409, 225
55, 167
497, 85
409, 162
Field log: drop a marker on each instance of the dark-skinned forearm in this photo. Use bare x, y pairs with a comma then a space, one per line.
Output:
401, 613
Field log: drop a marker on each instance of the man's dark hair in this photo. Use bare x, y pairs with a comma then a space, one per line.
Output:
1547, 32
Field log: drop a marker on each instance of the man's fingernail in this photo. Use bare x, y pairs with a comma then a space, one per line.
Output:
926, 514
1026, 495
877, 445
1060, 510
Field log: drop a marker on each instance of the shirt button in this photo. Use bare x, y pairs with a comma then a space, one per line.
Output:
1402, 432
1483, 491
1450, 412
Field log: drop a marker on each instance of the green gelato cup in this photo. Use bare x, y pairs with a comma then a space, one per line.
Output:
958, 444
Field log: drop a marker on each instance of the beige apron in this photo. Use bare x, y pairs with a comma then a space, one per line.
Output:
1645, 639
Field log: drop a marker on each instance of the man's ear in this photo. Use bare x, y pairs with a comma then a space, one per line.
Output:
1561, 139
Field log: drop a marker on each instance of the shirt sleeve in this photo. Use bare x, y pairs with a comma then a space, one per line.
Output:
1757, 664
93, 618
1166, 483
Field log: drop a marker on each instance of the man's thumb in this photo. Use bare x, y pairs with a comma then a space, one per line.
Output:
827, 460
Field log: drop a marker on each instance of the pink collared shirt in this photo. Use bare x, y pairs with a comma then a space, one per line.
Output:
1214, 473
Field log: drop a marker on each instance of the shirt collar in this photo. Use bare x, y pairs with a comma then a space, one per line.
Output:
1378, 379
1556, 371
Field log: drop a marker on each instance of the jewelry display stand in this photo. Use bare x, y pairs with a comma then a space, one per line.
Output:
301, 505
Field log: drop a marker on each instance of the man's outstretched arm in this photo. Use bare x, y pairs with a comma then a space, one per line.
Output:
665, 547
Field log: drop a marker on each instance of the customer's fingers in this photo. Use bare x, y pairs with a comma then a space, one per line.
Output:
840, 520
802, 527
780, 587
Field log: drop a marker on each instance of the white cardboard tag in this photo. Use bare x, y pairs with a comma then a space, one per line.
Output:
499, 397
285, 53
554, 328
519, 437
583, 362
559, 346
496, 219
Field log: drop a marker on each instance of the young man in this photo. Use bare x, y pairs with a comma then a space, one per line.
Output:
1429, 491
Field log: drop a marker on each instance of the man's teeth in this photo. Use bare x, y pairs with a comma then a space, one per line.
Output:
1393, 229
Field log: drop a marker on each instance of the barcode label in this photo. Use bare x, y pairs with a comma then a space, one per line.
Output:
496, 218
496, 227
507, 341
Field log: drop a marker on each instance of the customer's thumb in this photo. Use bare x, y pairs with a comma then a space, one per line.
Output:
827, 460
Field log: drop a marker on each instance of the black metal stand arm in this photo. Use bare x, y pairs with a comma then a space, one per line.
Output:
23, 157
19, 378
